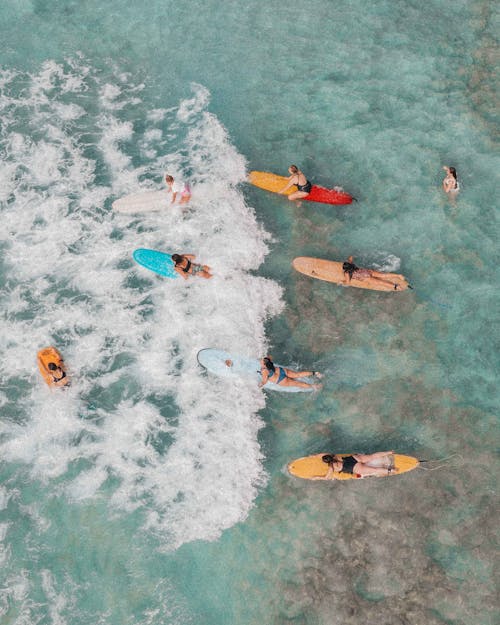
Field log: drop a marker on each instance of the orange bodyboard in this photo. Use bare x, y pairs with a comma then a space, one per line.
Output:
46, 356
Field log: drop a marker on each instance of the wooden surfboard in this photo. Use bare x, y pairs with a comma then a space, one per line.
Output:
331, 271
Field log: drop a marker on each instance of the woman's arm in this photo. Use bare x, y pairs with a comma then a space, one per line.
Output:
181, 272
289, 184
265, 376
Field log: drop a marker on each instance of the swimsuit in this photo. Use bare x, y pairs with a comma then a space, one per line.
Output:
197, 269
359, 274
282, 375
187, 267
59, 379
306, 188
348, 464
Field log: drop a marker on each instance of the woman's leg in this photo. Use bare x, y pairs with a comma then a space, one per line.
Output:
297, 195
291, 382
382, 277
385, 458
394, 285
298, 374
366, 471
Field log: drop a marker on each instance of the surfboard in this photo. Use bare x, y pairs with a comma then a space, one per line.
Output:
217, 361
313, 468
44, 358
158, 262
143, 202
274, 183
331, 271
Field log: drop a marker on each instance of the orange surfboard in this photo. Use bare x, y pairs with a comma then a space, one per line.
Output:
47, 356
331, 271
313, 467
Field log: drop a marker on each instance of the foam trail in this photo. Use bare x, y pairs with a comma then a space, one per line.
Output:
141, 415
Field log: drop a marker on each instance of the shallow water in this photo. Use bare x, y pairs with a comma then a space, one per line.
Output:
150, 492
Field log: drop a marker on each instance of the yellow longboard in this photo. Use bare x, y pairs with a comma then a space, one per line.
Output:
44, 358
313, 467
331, 271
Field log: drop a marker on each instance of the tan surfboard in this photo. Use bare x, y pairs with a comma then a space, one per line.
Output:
313, 467
331, 271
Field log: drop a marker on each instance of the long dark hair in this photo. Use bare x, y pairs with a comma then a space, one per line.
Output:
453, 172
269, 364
349, 268
177, 258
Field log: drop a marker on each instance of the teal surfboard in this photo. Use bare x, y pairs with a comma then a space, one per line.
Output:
158, 262
214, 360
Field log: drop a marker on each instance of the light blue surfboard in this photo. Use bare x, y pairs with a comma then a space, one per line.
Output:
214, 360
159, 262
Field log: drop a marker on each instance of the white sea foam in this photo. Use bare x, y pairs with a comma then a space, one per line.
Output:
389, 263
142, 424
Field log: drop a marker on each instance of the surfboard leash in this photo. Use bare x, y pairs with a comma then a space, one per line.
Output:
437, 460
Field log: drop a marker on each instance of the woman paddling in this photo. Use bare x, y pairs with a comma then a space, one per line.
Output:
359, 464
284, 376
298, 179
353, 271
183, 264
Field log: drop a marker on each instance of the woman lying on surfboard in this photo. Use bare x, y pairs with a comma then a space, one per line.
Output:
298, 179
358, 464
185, 267
353, 271
284, 376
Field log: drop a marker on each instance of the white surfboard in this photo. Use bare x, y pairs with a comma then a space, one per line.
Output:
143, 202
225, 364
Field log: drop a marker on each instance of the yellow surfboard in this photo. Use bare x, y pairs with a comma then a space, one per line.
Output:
313, 467
331, 271
50, 355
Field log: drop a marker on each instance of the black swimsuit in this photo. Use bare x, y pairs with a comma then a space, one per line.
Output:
306, 188
187, 267
348, 464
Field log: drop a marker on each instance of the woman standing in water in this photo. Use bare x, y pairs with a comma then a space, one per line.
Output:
284, 376
450, 182
298, 179
176, 188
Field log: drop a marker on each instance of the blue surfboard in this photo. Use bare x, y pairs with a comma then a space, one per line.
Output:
158, 262
214, 360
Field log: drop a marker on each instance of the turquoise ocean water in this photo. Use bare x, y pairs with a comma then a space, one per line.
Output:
151, 493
